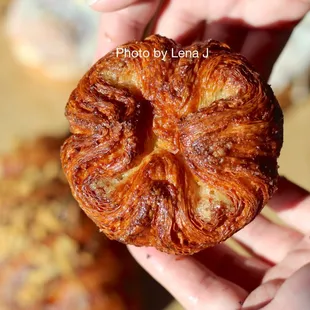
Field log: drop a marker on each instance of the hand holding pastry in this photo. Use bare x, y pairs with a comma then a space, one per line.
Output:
217, 278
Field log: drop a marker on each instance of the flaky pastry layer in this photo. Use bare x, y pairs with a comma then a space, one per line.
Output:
176, 153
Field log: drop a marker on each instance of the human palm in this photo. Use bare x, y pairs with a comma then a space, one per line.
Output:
277, 275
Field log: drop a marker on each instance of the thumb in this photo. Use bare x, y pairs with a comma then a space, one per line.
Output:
190, 282
294, 292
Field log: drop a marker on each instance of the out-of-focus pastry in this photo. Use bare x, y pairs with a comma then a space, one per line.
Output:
51, 255
57, 38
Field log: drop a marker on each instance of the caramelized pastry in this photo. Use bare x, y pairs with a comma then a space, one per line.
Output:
176, 152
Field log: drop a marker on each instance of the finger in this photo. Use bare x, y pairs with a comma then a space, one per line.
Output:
294, 292
179, 21
189, 281
128, 24
261, 296
230, 32
260, 46
111, 6
268, 12
295, 259
292, 204
268, 240
263, 46
244, 271
269, 29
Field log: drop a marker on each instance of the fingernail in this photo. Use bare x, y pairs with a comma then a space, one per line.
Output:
91, 2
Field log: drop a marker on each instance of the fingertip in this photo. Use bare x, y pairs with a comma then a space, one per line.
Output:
113, 31
189, 281
107, 6
262, 295
300, 279
105, 45
294, 292
150, 258
121, 26
139, 253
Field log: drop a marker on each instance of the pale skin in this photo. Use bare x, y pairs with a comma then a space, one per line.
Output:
277, 276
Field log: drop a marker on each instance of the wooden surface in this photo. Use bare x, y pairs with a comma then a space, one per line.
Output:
33, 105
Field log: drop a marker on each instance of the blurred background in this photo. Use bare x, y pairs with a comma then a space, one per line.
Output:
51, 256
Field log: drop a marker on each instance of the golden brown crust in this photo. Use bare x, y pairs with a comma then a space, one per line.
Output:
179, 153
